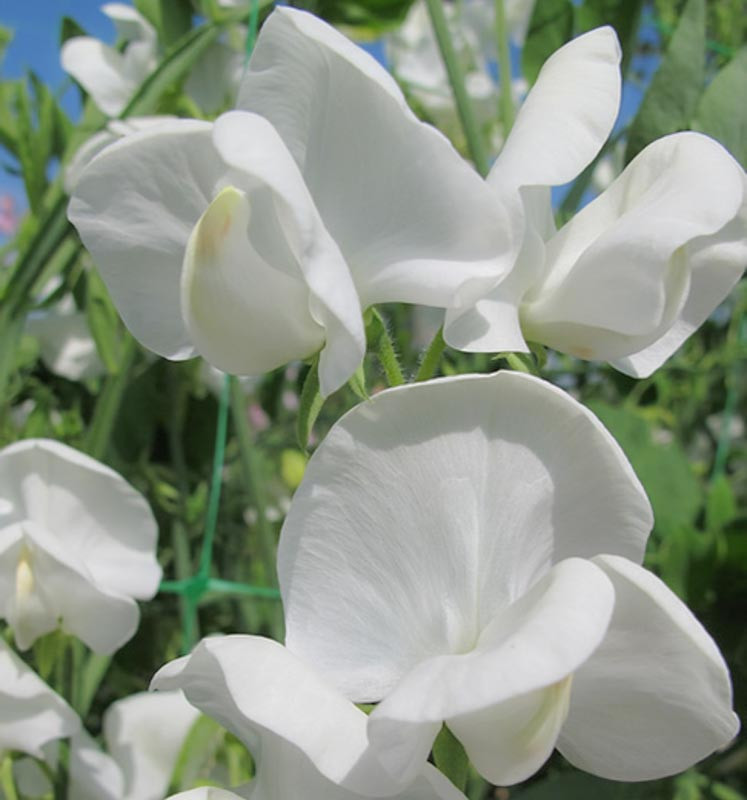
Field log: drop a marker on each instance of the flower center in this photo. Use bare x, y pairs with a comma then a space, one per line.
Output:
24, 576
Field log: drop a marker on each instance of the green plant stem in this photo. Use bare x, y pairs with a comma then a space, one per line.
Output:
206, 555
7, 782
466, 113
309, 405
432, 357
251, 467
506, 100
107, 408
382, 343
179, 532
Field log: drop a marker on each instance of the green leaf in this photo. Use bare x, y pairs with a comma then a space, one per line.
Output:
623, 15
580, 786
93, 673
198, 752
672, 97
171, 18
722, 110
177, 63
310, 405
721, 505
551, 27
663, 468
69, 29
450, 758
103, 322
357, 383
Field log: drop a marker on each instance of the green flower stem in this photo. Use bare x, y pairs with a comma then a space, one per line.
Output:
107, 408
432, 357
450, 758
60, 779
242, 589
7, 782
506, 101
206, 555
467, 117
309, 406
381, 341
251, 467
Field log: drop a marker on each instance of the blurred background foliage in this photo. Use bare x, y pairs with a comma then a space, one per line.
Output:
685, 64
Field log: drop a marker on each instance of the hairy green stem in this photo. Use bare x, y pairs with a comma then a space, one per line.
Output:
454, 70
432, 357
382, 343
506, 100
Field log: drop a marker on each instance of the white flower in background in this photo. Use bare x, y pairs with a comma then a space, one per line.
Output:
109, 76
77, 546
308, 740
478, 565
640, 268
259, 239
415, 59
31, 714
143, 734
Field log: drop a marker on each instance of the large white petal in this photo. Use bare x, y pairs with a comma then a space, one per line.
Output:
95, 514
144, 733
656, 696
135, 207
411, 530
302, 732
413, 220
567, 115
514, 682
618, 274
291, 237
32, 714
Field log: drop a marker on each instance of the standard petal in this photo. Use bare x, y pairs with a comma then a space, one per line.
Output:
410, 530
144, 733
165, 179
96, 515
31, 712
515, 682
291, 237
567, 116
656, 696
618, 275
413, 220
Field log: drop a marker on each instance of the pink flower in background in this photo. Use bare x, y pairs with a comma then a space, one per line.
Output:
8, 215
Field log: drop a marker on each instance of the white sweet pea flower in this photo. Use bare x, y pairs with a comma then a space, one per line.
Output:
77, 546
144, 734
308, 740
109, 76
259, 239
31, 714
478, 565
633, 274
